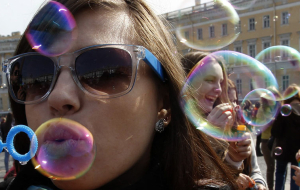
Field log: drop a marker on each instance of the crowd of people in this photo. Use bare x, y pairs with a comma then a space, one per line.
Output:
143, 138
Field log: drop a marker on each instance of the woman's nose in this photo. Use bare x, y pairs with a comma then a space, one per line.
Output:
65, 96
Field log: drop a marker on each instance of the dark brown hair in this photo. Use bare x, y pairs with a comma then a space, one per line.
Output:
183, 151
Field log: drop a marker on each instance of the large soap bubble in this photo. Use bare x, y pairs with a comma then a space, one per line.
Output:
66, 149
51, 31
207, 34
281, 60
197, 103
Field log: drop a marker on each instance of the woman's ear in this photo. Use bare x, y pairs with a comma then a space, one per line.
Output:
165, 114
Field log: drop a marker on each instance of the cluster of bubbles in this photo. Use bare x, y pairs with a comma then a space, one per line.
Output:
66, 149
262, 72
195, 102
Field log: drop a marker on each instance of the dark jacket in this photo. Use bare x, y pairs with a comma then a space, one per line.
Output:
29, 178
286, 130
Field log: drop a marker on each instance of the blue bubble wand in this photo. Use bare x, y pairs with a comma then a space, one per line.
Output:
9, 145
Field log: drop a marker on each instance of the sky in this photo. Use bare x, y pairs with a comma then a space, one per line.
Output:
16, 14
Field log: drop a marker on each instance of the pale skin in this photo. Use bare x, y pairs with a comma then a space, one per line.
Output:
208, 84
209, 89
111, 121
243, 182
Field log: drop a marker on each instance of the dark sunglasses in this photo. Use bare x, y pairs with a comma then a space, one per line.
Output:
102, 71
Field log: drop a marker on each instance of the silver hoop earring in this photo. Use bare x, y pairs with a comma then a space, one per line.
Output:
159, 126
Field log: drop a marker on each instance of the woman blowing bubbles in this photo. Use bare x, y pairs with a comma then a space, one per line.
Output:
209, 82
143, 139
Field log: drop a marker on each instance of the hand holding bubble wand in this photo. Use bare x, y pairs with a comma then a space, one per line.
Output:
253, 185
9, 145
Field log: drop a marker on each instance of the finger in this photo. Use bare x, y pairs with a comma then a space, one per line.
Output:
243, 148
245, 142
296, 168
219, 109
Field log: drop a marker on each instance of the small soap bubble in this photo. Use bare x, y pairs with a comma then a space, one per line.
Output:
278, 151
51, 31
286, 110
66, 149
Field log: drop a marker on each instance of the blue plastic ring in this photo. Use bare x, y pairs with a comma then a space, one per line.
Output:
10, 143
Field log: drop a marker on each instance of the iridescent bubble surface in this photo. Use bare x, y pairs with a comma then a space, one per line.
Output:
208, 35
52, 30
281, 60
286, 110
260, 116
195, 101
278, 151
66, 149
242, 5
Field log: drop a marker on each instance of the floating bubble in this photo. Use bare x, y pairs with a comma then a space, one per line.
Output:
286, 110
66, 149
242, 5
281, 60
51, 31
199, 96
208, 34
264, 112
278, 151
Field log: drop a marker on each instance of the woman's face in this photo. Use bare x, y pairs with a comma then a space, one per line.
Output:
123, 127
208, 85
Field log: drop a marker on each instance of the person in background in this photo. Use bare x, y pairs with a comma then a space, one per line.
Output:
5, 127
262, 112
251, 167
296, 176
214, 84
286, 130
258, 137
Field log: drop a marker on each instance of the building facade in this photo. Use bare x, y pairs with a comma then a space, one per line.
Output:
266, 23
8, 45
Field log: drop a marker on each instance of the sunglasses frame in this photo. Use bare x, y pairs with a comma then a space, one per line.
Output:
137, 53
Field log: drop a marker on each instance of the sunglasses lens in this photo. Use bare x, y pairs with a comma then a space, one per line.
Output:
104, 71
31, 77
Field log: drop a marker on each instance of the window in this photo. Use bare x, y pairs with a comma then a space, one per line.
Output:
285, 82
224, 29
211, 31
239, 27
265, 46
266, 21
267, 82
200, 33
252, 52
251, 85
285, 18
285, 42
187, 35
238, 49
252, 24
239, 86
